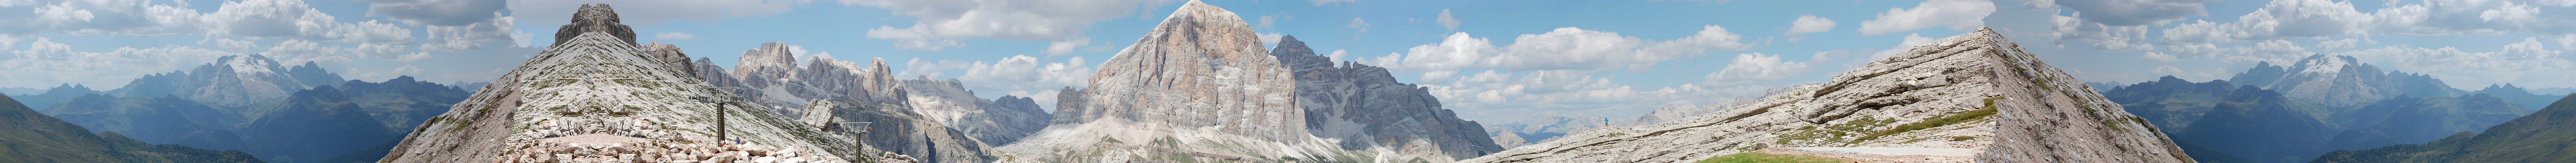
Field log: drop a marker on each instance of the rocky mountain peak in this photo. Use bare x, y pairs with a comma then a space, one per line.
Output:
313, 74
771, 61
594, 18
1204, 58
68, 88
251, 64
1200, 80
670, 55
2325, 64
1977, 91
1364, 107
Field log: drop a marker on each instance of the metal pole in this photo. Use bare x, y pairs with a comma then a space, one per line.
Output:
860, 129
720, 124
720, 103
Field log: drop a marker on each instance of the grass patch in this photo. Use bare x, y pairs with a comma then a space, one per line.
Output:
1962, 117
1759, 157
1962, 138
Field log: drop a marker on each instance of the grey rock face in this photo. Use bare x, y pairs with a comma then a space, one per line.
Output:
998, 121
1364, 107
1199, 85
824, 89
594, 18
900, 130
1201, 67
874, 83
596, 98
769, 75
670, 55
1977, 91
707, 70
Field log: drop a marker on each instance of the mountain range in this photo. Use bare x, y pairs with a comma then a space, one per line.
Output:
306, 126
2273, 113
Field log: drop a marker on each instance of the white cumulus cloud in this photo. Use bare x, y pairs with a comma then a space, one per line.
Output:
1958, 14
1810, 24
940, 25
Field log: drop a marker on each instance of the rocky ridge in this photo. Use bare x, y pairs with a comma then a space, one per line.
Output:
1977, 91
995, 122
770, 75
598, 97
898, 129
1363, 107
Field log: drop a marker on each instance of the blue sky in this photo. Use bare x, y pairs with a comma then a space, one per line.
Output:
1490, 60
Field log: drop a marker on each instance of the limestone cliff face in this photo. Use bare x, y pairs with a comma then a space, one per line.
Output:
597, 98
767, 76
1364, 107
874, 83
1199, 84
1977, 91
1202, 67
998, 121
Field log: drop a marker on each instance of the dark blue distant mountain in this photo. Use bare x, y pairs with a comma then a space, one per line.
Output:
310, 125
2542, 136
26, 136
2291, 113
56, 95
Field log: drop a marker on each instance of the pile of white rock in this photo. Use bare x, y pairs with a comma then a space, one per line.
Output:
601, 148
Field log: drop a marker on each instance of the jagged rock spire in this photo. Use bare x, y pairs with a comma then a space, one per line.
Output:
594, 18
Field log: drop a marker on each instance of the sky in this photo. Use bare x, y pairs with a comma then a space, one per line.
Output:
1488, 60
